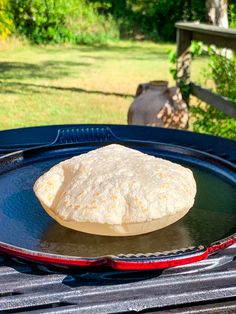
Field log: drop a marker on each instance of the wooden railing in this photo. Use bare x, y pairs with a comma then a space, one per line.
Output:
213, 35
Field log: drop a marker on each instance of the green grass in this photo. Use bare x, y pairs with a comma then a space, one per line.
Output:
77, 84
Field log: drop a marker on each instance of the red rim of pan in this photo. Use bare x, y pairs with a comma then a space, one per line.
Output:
124, 262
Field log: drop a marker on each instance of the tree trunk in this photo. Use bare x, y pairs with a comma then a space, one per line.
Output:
217, 12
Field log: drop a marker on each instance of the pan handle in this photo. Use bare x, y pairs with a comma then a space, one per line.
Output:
85, 134
72, 136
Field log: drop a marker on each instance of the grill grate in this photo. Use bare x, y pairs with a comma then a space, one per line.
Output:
41, 290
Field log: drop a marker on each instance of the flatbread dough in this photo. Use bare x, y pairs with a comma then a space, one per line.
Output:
115, 190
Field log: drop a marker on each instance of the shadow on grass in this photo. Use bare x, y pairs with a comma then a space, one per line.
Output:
133, 46
128, 52
12, 74
21, 88
47, 69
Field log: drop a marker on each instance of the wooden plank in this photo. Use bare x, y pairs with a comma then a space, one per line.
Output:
217, 101
217, 40
183, 41
229, 33
210, 34
183, 56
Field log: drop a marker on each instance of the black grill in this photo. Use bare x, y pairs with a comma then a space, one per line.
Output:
200, 286
204, 287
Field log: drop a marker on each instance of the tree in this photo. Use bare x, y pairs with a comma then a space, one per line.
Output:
217, 12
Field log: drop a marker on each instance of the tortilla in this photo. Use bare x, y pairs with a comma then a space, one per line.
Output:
115, 190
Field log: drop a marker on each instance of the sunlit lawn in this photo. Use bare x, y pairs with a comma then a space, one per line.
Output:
77, 84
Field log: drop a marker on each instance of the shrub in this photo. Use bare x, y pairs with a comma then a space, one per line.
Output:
152, 19
91, 27
163, 14
211, 121
207, 118
6, 23
59, 21
232, 14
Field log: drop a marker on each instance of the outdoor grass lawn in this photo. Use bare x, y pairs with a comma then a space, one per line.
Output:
41, 85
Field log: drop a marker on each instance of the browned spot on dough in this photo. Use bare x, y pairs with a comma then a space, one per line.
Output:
66, 202
80, 194
139, 204
92, 205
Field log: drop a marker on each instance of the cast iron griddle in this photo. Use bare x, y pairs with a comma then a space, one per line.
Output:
27, 231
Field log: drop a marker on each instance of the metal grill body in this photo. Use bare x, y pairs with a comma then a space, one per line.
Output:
205, 285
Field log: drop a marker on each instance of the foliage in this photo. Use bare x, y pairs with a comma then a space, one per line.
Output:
90, 21
60, 21
151, 19
212, 121
5, 19
222, 71
208, 119
91, 27
232, 15
173, 59
41, 21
